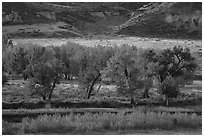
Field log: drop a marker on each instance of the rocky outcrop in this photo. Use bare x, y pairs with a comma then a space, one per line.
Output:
105, 14
11, 17
47, 14
98, 14
189, 21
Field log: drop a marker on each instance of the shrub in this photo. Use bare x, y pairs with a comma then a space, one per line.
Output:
10, 128
4, 79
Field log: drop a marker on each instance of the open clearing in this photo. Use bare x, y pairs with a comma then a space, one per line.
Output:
140, 42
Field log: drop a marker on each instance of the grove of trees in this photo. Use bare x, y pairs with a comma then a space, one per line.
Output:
133, 70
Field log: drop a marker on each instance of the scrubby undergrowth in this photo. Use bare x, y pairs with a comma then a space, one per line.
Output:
97, 122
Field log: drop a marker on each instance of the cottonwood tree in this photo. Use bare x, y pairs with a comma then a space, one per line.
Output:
66, 54
146, 60
92, 62
44, 71
171, 68
125, 70
15, 60
148, 83
20, 60
7, 47
36, 55
7, 57
45, 76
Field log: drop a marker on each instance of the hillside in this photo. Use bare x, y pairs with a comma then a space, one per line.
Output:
83, 19
165, 19
52, 19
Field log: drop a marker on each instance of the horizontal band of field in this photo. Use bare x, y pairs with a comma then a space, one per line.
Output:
88, 110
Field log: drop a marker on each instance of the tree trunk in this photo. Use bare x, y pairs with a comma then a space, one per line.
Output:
146, 94
51, 91
132, 102
50, 95
44, 98
68, 77
87, 89
90, 90
167, 100
91, 86
65, 76
25, 76
48, 104
98, 88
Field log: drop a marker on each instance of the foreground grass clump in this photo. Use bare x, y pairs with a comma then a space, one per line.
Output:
106, 121
10, 128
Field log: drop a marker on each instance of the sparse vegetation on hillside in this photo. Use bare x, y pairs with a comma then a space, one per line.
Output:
176, 20
165, 19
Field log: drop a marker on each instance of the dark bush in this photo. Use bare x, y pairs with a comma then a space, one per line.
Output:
4, 79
